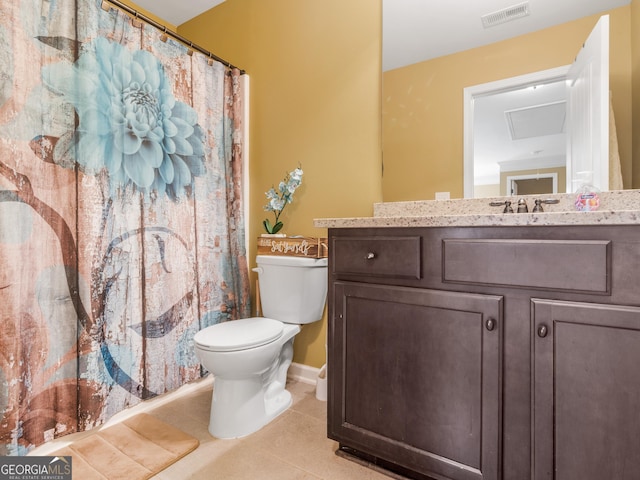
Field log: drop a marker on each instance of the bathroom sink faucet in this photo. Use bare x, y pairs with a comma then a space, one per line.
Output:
548, 201
507, 206
522, 206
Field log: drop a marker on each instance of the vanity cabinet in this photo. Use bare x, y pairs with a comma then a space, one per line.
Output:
486, 352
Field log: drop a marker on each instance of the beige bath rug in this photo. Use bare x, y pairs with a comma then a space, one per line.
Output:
136, 448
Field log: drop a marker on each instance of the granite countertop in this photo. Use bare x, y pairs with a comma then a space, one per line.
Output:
616, 208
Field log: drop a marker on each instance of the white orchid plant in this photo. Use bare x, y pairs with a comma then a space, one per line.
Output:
279, 199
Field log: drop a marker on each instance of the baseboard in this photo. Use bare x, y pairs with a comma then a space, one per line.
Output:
303, 373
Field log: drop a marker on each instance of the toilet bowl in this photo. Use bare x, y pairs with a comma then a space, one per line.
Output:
249, 358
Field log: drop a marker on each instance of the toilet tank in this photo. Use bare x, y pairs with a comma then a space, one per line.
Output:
292, 289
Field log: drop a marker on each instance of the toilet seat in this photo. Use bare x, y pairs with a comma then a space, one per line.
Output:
240, 334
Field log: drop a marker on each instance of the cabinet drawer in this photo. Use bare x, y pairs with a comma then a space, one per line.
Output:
569, 265
393, 256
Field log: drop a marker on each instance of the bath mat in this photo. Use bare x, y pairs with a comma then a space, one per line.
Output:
134, 449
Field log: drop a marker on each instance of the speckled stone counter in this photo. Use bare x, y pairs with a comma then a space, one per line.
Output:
616, 208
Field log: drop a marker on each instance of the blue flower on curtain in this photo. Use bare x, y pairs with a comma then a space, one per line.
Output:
129, 122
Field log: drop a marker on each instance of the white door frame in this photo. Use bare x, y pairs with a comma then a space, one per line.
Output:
511, 178
491, 88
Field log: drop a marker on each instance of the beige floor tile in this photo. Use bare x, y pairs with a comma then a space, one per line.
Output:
179, 417
338, 468
208, 453
305, 401
242, 463
299, 389
294, 446
302, 441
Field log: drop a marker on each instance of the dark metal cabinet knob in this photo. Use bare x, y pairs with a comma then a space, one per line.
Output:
542, 331
491, 324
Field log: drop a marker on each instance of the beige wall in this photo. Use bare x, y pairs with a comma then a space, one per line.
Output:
315, 71
484, 191
422, 104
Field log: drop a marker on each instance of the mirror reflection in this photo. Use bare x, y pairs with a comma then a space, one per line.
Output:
519, 140
423, 111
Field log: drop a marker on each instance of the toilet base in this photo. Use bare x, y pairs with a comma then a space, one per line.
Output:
229, 420
249, 385
278, 405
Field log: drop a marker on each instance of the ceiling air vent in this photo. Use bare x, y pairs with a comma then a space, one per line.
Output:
505, 15
537, 120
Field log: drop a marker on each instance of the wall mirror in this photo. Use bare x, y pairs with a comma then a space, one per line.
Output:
452, 143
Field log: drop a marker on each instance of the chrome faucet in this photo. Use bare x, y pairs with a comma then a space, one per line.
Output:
507, 206
548, 201
522, 206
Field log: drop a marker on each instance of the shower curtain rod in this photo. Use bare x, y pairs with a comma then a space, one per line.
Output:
171, 33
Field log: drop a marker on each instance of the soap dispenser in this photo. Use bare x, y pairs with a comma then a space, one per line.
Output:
587, 196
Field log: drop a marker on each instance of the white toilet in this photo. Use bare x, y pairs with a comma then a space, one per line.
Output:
249, 358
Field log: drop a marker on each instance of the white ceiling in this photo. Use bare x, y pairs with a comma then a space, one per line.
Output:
177, 12
418, 30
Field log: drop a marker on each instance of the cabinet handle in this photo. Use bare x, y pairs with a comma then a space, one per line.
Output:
370, 256
542, 331
491, 324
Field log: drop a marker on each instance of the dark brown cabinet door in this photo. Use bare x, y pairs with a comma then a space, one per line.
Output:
415, 378
586, 391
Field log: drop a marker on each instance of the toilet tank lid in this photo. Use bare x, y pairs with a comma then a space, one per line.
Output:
239, 334
291, 261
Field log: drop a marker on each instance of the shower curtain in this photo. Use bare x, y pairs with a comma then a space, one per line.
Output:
121, 214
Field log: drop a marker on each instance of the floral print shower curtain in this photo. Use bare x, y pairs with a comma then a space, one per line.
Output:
121, 214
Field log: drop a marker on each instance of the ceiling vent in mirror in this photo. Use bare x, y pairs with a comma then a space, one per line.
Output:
536, 121
505, 15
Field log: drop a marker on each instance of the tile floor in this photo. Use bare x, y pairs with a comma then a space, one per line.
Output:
293, 446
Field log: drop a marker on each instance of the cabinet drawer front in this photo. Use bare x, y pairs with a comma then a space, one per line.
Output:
569, 265
396, 257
